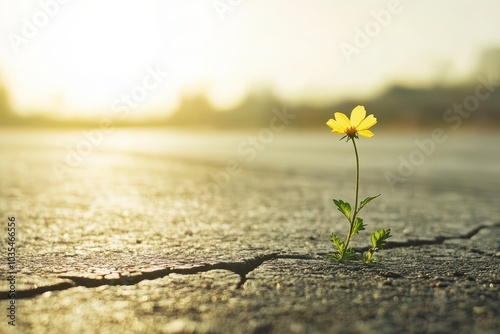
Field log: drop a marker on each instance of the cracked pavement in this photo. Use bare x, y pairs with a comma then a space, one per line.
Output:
126, 243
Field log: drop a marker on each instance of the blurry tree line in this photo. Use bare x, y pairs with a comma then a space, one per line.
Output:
6, 115
398, 105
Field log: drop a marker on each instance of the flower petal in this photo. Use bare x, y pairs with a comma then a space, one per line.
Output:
365, 133
335, 126
367, 123
342, 119
357, 115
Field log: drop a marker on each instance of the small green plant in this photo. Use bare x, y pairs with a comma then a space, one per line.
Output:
358, 124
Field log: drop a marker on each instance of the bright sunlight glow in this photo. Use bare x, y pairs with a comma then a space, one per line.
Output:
91, 52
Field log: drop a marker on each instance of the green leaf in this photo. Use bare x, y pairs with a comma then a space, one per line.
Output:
350, 255
366, 201
334, 256
369, 256
343, 207
337, 243
358, 226
379, 238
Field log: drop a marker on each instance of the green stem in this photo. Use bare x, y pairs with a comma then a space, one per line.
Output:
348, 239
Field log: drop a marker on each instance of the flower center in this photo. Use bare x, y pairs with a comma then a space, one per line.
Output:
351, 131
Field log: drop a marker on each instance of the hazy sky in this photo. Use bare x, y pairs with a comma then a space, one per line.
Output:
77, 57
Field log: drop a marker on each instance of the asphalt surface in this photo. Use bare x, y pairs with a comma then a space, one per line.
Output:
140, 240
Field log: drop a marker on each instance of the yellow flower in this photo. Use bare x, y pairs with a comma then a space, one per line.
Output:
358, 124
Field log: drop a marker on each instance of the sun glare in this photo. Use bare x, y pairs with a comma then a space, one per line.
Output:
101, 50
89, 53
99, 56
109, 49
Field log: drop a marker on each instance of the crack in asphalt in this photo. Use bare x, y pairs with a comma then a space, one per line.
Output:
30, 293
241, 268
436, 241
